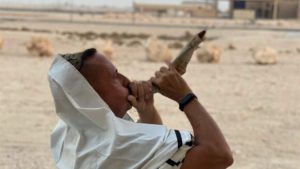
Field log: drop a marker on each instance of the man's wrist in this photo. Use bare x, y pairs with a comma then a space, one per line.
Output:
147, 113
150, 116
148, 110
186, 100
183, 95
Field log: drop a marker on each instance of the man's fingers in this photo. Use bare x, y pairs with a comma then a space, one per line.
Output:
167, 63
157, 74
147, 88
132, 100
171, 66
133, 86
163, 69
155, 82
149, 84
141, 92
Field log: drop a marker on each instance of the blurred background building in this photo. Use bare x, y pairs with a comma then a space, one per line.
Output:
207, 8
236, 9
265, 9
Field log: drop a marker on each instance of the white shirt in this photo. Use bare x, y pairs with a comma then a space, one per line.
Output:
89, 135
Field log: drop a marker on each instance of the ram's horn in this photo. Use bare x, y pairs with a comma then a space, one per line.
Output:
181, 61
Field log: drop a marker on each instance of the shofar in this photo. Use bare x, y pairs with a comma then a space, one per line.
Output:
181, 61
184, 57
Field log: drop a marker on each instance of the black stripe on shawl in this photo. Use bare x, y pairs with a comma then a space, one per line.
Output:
179, 139
190, 143
173, 163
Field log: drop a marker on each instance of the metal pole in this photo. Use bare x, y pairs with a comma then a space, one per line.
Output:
275, 10
231, 8
299, 9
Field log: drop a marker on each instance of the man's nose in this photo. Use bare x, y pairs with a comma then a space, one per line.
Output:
127, 84
125, 80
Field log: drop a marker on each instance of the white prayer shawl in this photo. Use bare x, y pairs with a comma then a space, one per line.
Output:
89, 135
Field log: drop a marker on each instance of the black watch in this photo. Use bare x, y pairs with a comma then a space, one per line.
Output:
185, 100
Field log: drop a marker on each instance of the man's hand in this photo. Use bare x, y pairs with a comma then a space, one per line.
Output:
213, 152
170, 83
142, 99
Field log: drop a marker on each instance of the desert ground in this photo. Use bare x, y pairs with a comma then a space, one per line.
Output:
256, 106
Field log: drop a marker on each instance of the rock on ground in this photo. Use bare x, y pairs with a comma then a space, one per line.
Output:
40, 46
266, 56
157, 51
210, 53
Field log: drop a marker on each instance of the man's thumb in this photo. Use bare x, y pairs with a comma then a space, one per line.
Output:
132, 100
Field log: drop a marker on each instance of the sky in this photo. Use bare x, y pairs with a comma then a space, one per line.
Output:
113, 3
116, 3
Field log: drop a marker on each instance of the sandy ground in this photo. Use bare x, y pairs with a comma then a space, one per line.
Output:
257, 107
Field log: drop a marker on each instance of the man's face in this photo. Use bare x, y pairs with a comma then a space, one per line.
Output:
112, 86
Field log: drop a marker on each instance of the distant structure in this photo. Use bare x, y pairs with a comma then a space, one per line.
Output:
265, 9
206, 9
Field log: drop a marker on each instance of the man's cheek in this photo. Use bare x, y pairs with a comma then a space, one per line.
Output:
125, 91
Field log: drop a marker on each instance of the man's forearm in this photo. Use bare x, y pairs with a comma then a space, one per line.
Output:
206, 131
151, 116
211, 150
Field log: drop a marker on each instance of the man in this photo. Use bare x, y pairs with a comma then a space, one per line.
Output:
94, 130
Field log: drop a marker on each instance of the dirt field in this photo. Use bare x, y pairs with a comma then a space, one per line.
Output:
257, 107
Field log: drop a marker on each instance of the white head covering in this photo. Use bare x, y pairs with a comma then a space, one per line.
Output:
89, 135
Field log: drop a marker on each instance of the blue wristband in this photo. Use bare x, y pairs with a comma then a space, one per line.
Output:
187, 98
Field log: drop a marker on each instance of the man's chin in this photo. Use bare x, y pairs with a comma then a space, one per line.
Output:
129, 106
